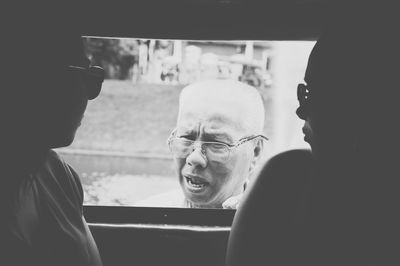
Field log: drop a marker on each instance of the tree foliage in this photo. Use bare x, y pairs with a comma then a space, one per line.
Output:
116, 56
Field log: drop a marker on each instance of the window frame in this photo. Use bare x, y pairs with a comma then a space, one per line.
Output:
158, 216
290, 20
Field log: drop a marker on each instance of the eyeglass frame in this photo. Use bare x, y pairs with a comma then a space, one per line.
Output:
303, 93
88, 70
303, 96
229, 146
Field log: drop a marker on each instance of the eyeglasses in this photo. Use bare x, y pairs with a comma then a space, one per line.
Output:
303, 96
213, 151
93, 79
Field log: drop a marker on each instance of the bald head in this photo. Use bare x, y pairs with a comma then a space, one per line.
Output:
234, 101
222, 111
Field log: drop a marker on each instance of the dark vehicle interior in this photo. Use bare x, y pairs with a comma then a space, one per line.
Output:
172, 236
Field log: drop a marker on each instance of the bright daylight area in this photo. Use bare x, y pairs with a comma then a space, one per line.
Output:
121, 151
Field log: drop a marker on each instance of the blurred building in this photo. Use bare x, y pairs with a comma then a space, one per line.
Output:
183, 62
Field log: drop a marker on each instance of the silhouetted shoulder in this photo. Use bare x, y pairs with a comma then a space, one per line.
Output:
273, 207
60, 181
289, 166
293, 154
278, 192
300, 158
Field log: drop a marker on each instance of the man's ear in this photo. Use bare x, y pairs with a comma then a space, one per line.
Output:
257, 153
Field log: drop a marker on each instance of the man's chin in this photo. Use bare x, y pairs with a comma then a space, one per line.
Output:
201, 201
196, 200
62, 141
199, 194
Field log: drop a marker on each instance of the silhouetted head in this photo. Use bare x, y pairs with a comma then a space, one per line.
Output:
231, 115
346, 86
52, 83
350, 108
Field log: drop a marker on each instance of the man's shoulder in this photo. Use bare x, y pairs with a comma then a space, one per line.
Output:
54, 161
55, 166
289, 164
286, 173
296, 156
58, 178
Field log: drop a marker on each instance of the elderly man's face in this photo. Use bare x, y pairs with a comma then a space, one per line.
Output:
206, 182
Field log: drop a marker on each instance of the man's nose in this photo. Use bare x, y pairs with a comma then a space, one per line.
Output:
197, 157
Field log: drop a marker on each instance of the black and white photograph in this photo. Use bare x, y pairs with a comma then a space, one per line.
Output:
200, 133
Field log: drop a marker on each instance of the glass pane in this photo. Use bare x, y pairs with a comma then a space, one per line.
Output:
121, 151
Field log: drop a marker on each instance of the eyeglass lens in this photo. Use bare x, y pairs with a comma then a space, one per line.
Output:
182, 148
303, 95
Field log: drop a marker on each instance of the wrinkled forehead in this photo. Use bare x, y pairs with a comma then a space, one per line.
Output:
214, 118
213, 110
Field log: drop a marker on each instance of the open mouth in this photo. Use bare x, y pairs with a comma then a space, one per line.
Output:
195, 184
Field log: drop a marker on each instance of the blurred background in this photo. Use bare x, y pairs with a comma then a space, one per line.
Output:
120, 150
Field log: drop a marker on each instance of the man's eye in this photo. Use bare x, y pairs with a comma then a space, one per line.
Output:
187, 137
217, 147
182, 143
